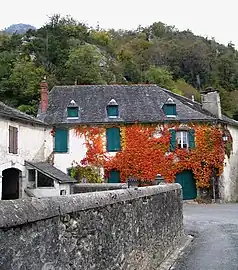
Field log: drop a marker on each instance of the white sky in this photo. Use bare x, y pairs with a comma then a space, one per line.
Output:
203, 17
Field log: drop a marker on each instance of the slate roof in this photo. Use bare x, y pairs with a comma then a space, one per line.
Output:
137, 103
9, 112
198, 106
52, 172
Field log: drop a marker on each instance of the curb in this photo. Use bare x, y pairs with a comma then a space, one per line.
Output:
170, 261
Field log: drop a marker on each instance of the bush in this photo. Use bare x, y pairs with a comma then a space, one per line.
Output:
90, 174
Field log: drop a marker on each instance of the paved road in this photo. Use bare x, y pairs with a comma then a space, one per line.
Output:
215, 244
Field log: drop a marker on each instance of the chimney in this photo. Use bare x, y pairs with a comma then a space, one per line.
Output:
211, 101
44, 93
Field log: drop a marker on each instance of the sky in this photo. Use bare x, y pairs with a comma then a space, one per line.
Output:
204, 17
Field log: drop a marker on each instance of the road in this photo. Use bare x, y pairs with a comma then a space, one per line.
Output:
215, 231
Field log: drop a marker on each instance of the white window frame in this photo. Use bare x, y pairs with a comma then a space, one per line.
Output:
180, 136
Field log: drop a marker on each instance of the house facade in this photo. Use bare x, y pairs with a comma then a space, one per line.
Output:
143, 131
25, 147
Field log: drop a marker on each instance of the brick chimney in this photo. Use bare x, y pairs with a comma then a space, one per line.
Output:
211, 101
44, 95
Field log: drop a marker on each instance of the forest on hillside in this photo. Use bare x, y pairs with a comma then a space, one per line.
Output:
69, 52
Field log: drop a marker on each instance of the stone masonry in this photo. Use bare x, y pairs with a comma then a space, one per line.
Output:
133, 228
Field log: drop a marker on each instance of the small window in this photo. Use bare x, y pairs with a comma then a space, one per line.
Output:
112, 111
62, 192
13, 140
44, 181
61, 140
32, 175
170, 110
72, 112
182, 139
113, 139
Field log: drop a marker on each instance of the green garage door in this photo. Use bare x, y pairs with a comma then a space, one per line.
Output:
186, 180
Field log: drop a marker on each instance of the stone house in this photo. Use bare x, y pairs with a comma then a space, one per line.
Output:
25, 146
114, 108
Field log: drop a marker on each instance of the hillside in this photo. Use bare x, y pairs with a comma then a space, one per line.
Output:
19, 28
69, 52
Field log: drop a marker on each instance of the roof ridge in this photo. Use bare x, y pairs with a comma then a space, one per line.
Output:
93, 85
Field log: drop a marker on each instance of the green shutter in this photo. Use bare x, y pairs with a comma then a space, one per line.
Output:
114, 176
61, 140
169, 109
172, 140
191, 138
113, 139
112, 110
72, 111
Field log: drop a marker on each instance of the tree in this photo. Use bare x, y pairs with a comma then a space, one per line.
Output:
84, 65
22, 87
160, 76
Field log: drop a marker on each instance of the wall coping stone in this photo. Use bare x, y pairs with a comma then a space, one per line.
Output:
104, 185
21, 211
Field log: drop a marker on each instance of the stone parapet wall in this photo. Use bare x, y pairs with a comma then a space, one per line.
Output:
88, 187
119, 229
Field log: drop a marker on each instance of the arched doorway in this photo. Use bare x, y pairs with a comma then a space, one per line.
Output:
186, 180
10, 184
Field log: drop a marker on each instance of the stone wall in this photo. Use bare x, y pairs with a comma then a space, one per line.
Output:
109, 230
88, 187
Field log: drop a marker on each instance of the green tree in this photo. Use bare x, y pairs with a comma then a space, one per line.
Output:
84, 65
160, 76
22, 87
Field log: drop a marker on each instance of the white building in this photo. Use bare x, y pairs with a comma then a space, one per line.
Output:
25, 146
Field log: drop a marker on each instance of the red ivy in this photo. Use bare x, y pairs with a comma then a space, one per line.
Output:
144, 155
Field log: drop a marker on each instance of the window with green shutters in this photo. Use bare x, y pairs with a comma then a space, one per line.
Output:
72, 112
61, 140
112, 111
113, 139
169, 109
114, 176
182, 139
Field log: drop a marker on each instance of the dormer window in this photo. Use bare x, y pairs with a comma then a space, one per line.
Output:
72, 110
112, 109
169, 108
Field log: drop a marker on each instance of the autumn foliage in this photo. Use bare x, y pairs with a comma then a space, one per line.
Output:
145, 152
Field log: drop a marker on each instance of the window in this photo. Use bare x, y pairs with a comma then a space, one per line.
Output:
44, 181
13, 140
62, 192
61, 140
114, 176
112, 111
182, 139
72, 112
32, 175
113, 139
170, 110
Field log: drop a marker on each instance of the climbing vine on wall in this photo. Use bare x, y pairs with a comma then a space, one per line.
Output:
145, 152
